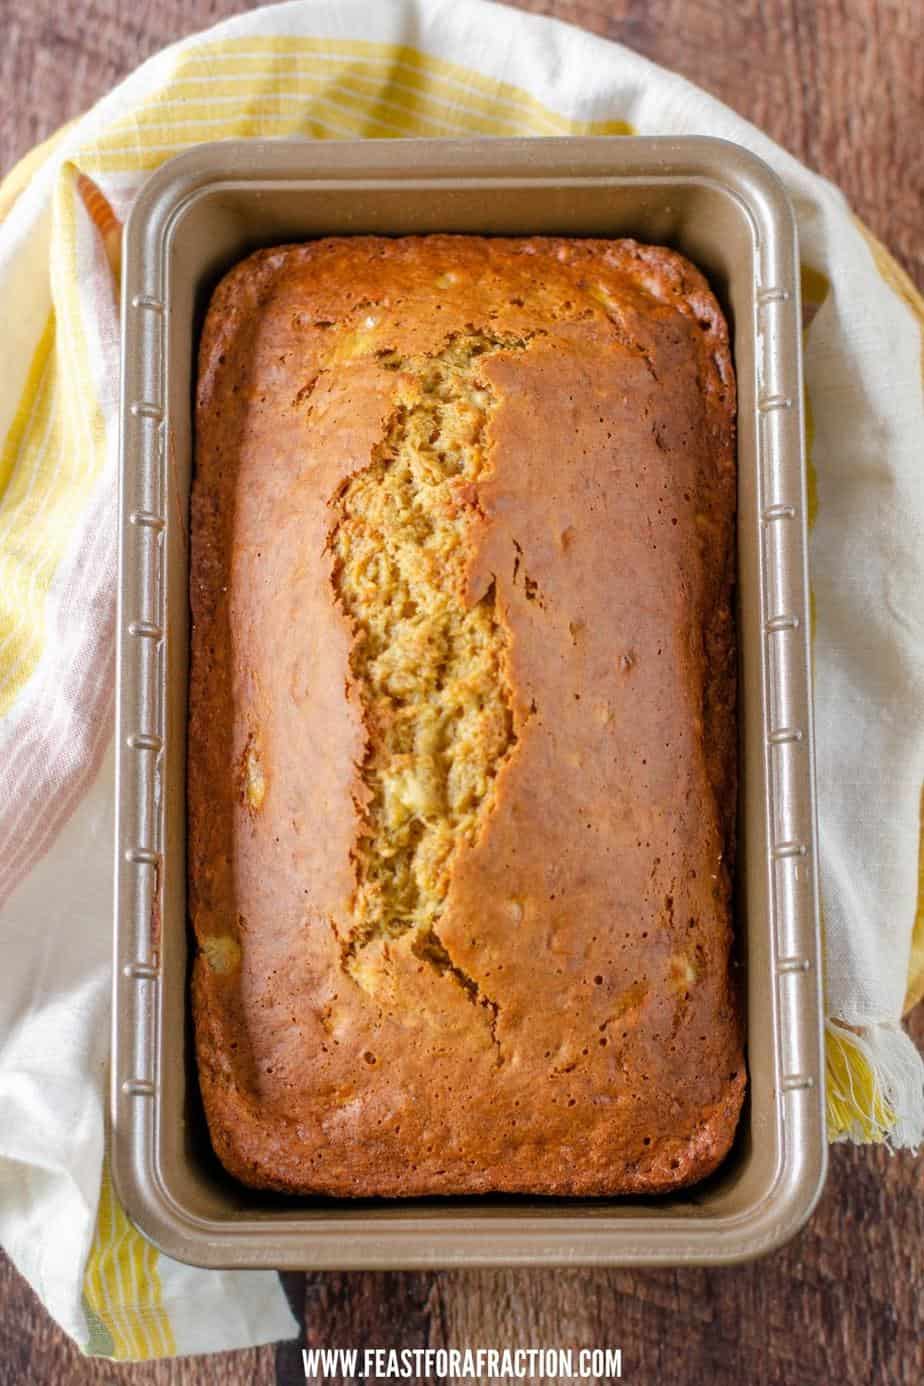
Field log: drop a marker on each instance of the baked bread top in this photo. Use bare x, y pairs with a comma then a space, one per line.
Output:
462, 737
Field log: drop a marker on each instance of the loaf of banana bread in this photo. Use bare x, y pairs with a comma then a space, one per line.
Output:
461, 781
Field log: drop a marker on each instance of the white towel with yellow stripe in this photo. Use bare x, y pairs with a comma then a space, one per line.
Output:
402, 67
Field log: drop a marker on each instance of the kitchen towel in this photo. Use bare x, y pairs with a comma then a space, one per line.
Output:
395, 68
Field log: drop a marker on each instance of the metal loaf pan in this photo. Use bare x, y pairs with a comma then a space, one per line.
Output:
196, 216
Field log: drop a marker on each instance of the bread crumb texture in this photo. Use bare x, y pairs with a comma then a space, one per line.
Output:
461, 781
222, 953
430, 668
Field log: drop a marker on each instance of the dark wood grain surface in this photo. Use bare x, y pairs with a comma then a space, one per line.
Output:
841, 84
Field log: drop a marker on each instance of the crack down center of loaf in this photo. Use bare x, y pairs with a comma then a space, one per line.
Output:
428, 667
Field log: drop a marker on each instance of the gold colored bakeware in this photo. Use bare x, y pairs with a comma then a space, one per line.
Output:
195, 217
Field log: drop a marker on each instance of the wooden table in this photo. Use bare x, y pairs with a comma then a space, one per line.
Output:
840, 83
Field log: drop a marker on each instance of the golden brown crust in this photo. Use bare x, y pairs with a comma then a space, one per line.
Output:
586, 1039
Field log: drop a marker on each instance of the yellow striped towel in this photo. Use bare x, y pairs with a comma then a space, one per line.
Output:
400, 67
